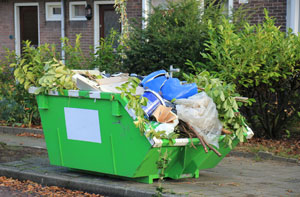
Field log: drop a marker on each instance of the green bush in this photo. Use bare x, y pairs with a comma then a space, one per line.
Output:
74, 56
39, 67
172, 36
264, 63
224, 96
17, 106
108, 56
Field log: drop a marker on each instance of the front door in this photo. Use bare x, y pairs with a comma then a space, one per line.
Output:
29, 25
109, 19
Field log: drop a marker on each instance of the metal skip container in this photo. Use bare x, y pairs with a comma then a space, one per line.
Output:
94, 131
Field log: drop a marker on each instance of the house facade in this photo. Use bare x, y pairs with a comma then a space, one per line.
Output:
46, 21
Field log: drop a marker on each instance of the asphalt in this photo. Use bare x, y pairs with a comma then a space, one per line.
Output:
234, 176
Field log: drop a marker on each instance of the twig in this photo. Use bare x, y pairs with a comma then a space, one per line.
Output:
184, 129
202, 139
226, 131
241, 99
213, 149
198, 136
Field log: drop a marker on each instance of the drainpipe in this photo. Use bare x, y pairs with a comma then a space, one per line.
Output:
145, 12
294, 16
62, 20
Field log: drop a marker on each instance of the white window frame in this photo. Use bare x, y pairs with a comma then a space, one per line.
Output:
17, 24
293, 16
49, 11
71, 11
97, 21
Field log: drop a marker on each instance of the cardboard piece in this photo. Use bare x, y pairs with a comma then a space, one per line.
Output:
164, 114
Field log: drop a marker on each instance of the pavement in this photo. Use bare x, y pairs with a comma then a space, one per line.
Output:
234, 176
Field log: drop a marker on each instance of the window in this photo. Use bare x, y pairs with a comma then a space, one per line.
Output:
77, 11
53, 11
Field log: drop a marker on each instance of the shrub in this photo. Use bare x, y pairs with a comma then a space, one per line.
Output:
16, 104
264, 63
108, 56
74, 56
224, 95
172, 36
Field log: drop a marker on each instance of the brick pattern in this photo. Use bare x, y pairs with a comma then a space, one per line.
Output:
50, 30
134, 9
6, 27
276, 8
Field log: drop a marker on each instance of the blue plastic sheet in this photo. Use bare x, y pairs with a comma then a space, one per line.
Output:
168, 88
173, 89
154, 100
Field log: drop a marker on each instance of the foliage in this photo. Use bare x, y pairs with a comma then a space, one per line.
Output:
136, 102
223, 95
120, 7
74, 56
162, 164
264, 63
108, 56
56, 77
16, 104
172, 36
29, 67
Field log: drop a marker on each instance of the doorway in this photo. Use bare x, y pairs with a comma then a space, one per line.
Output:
109, 19
26, 25
29, 25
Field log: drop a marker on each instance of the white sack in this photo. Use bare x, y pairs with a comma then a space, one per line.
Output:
200, 112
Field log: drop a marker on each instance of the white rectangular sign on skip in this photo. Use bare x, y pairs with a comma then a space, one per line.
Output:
82, 124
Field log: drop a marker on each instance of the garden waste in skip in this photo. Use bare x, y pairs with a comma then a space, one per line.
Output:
93, 128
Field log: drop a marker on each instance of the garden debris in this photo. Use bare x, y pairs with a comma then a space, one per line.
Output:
169, 88
88, 72
155, 80
164, 114
167, 127
84, 83
154, 100
173, 89
112, 80
169, 100
191, 132
200, 112
93, 80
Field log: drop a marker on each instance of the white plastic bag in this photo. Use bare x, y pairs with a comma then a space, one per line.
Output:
167, 127
200, 112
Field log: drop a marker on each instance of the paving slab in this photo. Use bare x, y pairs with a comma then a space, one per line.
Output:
14, 140
234, 176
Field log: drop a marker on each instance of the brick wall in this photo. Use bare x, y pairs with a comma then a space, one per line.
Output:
134, 9
6, 27
276, 8
50, 31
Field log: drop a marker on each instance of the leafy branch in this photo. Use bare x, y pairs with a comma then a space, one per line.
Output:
223, 95
136, 102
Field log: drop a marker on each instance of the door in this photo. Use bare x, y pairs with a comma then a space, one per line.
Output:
108, 19
29, 25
